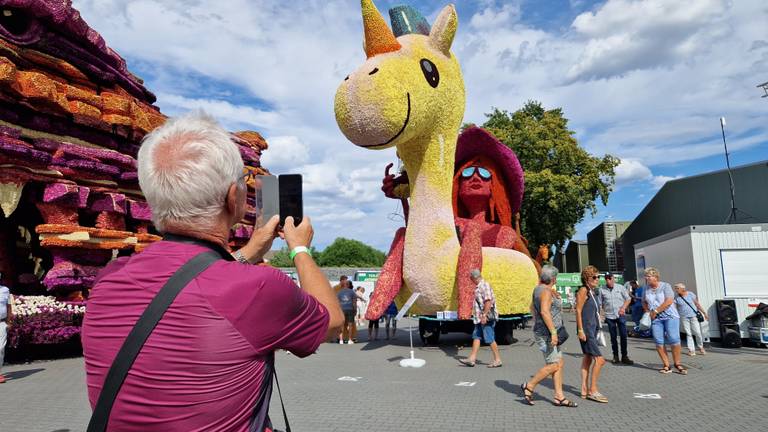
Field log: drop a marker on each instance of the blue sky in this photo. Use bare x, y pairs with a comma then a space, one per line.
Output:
644, 80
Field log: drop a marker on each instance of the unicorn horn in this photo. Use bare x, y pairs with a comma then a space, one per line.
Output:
379, 38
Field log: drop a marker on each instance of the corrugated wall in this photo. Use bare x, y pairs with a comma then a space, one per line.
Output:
709, 272
698, 200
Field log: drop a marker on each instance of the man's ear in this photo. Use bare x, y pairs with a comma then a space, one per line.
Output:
231, 199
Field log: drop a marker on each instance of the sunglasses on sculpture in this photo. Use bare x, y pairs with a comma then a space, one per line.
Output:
469, 171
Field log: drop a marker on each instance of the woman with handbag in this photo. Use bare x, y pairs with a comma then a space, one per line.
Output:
588, 329
659, 302
691, 317
549, 333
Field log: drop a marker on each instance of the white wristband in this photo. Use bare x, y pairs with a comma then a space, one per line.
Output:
299, 249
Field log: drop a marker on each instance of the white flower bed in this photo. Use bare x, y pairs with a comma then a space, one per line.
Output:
32, 305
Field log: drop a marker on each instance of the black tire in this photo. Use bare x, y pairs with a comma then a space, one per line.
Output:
504, 333
429, 332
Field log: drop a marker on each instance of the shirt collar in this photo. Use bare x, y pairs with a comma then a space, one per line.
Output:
178, 238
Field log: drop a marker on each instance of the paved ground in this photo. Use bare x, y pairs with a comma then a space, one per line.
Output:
725, 390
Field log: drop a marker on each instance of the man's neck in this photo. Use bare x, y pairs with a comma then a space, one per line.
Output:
218, 236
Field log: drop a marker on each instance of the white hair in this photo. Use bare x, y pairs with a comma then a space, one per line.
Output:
548, 274
186, 168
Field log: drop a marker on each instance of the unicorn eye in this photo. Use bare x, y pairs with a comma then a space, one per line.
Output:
430, 72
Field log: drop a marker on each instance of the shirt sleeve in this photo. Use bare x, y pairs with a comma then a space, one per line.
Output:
668, 293
275, 313
625, 294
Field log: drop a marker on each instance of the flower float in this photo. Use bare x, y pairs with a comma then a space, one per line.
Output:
72, 117
410, 94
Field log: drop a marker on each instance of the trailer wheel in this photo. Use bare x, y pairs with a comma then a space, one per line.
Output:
429, 332
504, 333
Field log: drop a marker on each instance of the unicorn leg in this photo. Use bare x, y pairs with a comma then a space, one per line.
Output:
390, 280
470, 257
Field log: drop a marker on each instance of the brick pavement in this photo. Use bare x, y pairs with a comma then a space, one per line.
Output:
724, 390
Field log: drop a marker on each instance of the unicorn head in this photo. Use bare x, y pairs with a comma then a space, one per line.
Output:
409, 89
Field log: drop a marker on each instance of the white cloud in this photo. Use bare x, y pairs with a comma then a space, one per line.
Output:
625, 35
630, 171
493, 16
643, 80
285, 153
659, 181
226, 112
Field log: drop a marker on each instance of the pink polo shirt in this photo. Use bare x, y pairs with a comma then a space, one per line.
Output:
203, 367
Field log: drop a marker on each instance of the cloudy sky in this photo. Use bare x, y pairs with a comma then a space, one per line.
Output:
643, 80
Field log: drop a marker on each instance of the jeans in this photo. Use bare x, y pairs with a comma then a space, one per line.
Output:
618, 326
692, 328
485, 332
666, 331
3, 334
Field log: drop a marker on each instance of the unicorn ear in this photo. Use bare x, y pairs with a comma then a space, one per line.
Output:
444, 29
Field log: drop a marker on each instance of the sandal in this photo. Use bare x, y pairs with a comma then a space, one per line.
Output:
494, 365
597, 397
665, 370
526, 390
565, 403
681, 370
467, 363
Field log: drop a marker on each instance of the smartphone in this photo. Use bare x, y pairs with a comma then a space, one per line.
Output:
291, 203
267, 199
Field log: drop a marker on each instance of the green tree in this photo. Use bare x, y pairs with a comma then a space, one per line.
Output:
562, 180
283, 257
351, 253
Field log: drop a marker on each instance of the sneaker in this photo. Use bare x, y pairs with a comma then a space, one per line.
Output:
627, 361
341, 341
350, 342
702, 351
615, 359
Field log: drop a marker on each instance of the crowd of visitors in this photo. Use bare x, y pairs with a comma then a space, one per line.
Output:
664, 307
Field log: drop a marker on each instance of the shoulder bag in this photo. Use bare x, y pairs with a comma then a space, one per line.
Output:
699, 315
562, 333
600, 336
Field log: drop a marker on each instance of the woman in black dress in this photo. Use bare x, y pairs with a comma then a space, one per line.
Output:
587, 326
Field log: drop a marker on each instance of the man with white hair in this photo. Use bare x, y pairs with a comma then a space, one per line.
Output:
6, 314
209, 362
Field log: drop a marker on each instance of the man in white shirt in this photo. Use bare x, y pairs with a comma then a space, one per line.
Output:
614, 300
5, 322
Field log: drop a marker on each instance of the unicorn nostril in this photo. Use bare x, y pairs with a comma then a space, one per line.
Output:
373, 71
346, 78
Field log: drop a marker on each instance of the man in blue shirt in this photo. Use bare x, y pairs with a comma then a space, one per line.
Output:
614, 300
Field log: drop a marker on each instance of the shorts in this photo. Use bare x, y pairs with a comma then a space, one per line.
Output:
485, 332
552, 353
349, 317
666, 331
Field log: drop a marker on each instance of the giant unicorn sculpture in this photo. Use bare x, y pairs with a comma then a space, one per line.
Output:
409, 93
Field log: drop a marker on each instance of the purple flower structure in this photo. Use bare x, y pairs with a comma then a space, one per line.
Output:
43, 320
